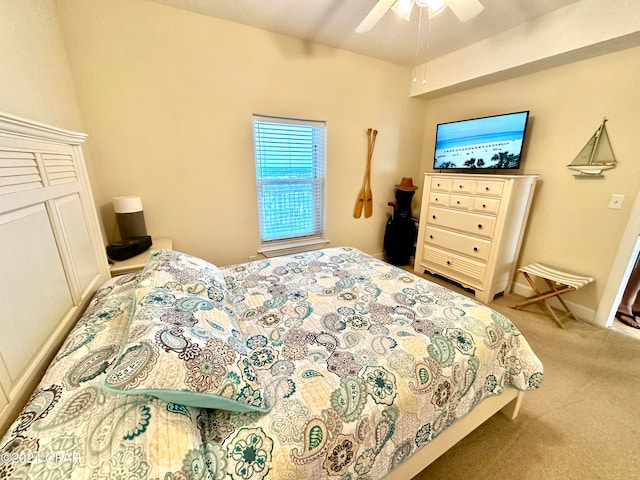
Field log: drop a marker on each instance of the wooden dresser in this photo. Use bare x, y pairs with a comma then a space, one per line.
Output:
471, 228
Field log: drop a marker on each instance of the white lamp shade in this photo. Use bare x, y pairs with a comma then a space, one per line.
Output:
127, 204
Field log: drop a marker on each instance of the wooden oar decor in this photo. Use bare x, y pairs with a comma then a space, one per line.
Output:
365, 197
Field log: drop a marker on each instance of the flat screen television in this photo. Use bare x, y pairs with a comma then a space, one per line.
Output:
484, 143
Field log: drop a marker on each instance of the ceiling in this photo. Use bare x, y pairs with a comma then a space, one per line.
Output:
332, 23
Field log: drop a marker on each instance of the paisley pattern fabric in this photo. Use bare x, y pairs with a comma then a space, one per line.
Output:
363, 362
183, 344
72, 429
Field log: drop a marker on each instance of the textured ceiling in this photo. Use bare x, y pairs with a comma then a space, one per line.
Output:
332, 23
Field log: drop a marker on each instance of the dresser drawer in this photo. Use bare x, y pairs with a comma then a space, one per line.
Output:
467, 222
454, 266
463, 185
489, 187
486, 205
440, 184
460, 201
439, 198
470, 246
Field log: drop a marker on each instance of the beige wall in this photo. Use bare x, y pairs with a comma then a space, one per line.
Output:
35, 79
570, 225
167, 97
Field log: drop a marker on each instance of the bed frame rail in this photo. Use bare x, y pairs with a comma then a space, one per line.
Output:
508, 403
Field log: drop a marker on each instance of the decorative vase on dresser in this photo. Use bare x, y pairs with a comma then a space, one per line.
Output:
471, 228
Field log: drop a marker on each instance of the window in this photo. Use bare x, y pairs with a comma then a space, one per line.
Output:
290, 166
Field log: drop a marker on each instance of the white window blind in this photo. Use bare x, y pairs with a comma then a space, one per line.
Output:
290, 175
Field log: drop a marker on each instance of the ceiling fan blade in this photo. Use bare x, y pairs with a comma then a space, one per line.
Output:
375, 15
465, 9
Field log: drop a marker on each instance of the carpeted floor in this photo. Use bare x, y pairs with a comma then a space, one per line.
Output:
583, 423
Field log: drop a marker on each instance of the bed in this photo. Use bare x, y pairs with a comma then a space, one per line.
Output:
325, 364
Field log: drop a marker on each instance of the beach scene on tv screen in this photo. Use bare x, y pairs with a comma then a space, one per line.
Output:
492, 142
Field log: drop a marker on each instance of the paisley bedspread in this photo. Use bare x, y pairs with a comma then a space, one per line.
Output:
72, 429
363, 362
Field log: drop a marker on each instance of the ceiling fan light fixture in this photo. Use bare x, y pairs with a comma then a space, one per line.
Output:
463, 9
434, 6
403, 8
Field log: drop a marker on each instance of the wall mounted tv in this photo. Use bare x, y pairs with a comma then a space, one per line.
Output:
484, 143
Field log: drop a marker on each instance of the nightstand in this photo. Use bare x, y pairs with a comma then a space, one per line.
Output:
138, 262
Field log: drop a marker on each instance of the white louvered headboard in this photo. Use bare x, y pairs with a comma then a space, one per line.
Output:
52, 256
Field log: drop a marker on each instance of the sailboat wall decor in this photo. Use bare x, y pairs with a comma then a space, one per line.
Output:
596, 156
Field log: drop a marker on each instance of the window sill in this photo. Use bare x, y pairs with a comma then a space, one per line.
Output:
296, 246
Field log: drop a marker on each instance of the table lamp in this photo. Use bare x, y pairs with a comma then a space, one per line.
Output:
129, 217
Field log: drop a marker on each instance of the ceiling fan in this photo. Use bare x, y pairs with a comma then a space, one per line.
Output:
464, 10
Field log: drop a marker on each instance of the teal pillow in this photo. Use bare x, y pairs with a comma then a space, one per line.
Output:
183, 343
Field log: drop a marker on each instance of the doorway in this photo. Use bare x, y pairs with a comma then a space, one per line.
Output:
621, 270
616, 324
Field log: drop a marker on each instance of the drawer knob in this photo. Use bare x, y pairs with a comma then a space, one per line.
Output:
460, 186
458, 202
436, 199
475, 249
448, 262
433, 216
480, 226
486, 188
430, 236
484, 205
